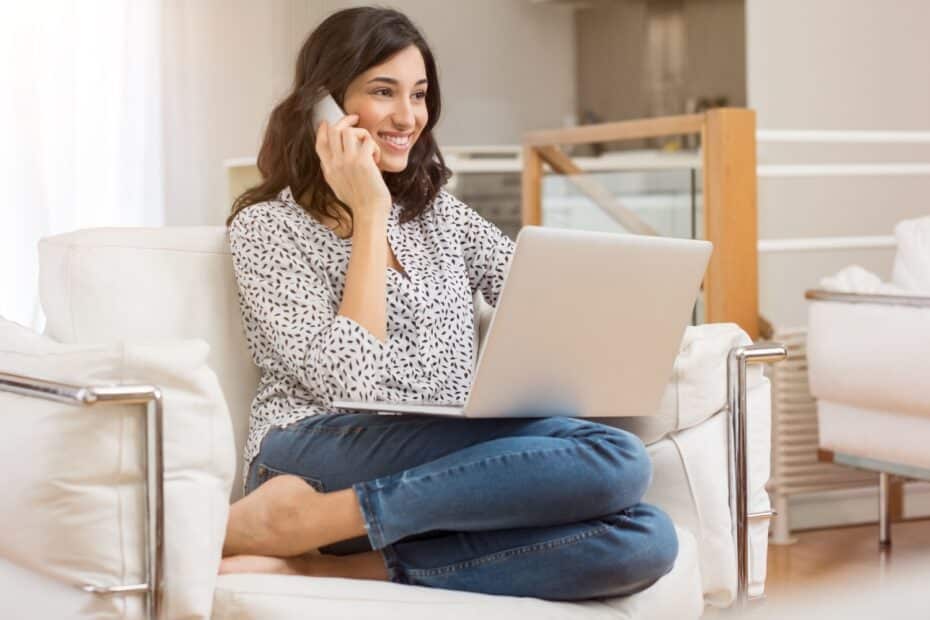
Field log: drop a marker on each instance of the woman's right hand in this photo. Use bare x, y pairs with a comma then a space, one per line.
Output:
348, 155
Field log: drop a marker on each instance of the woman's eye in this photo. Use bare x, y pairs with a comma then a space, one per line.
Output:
387, 92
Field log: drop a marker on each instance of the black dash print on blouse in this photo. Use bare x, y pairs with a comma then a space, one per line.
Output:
290, 271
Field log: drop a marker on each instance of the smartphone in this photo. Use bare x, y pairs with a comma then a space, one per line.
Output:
326, 110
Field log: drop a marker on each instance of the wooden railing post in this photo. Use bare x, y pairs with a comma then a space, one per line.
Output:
532, 186
730, 220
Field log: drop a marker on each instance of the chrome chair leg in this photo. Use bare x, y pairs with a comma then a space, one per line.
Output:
884, 510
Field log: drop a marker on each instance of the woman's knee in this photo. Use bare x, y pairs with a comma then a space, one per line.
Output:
660, 548
644, 547
632, 464
639, 547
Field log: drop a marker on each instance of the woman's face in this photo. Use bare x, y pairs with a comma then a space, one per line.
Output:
390, 100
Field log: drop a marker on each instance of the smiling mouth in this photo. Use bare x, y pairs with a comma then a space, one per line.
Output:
401, 143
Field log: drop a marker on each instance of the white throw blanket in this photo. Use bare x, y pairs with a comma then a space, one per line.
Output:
911, 275
912, 262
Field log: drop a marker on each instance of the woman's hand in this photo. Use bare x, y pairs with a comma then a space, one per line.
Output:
348, 156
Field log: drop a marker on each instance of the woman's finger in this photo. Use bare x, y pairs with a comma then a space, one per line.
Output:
371, 148
344, 126
347, 121
350, 139
376, 151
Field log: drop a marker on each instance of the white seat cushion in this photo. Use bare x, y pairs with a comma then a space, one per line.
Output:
893, 437
72, 504
676, 596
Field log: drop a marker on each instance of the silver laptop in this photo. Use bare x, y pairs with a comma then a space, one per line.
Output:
588, 324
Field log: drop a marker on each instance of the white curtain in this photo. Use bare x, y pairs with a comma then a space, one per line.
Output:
80, 129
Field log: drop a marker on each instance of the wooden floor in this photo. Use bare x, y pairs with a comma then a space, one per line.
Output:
822, 558
834, 572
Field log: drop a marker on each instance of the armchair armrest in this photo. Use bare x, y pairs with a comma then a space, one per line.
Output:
737, 360
868, 298
151, 399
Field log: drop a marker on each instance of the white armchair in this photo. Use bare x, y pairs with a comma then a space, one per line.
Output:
868, 369
106, 286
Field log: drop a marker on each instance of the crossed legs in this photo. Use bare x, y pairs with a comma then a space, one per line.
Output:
497, 506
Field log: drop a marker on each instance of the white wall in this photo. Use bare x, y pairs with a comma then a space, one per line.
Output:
225, 63
505, 66
835, 64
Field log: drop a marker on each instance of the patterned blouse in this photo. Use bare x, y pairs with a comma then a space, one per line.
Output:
291, 270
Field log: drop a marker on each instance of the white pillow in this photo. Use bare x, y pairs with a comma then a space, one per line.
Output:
72, 503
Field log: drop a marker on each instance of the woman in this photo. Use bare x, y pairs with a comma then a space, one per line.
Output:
356, 275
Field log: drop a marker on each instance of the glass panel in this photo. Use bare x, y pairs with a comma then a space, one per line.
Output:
664, 200
668, 201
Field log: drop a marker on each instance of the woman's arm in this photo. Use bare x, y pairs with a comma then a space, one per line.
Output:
364, 299
347, 156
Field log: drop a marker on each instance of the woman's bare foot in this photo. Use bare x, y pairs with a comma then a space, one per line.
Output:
286, 517
368, 565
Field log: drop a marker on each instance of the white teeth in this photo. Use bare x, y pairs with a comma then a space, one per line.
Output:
396, 140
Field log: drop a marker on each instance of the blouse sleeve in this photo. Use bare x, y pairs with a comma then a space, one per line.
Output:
486, 249
288, 307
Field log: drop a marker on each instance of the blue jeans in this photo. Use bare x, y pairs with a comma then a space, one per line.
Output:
542, 507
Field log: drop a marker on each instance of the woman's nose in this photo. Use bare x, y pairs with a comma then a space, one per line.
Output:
403, 114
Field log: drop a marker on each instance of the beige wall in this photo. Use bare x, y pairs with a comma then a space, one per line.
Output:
225, 62
835, 64
505, 66
696, 49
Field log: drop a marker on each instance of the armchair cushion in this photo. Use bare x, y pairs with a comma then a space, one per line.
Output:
72, 505
887, 436
676, 596
104, 285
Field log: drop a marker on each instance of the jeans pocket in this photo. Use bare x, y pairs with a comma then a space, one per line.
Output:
266, 472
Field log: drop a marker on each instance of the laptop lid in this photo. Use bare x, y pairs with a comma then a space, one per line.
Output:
587, 324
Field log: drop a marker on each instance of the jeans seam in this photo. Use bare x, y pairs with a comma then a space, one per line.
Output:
372, 523
509, 553
395, 569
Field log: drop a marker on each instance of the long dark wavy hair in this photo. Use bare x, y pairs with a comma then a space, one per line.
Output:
343, 46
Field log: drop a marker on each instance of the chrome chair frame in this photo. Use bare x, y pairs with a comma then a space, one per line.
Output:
153, 446
737, 361
151, 397
884, 469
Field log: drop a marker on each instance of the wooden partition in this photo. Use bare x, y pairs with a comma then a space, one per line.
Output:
728, 142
